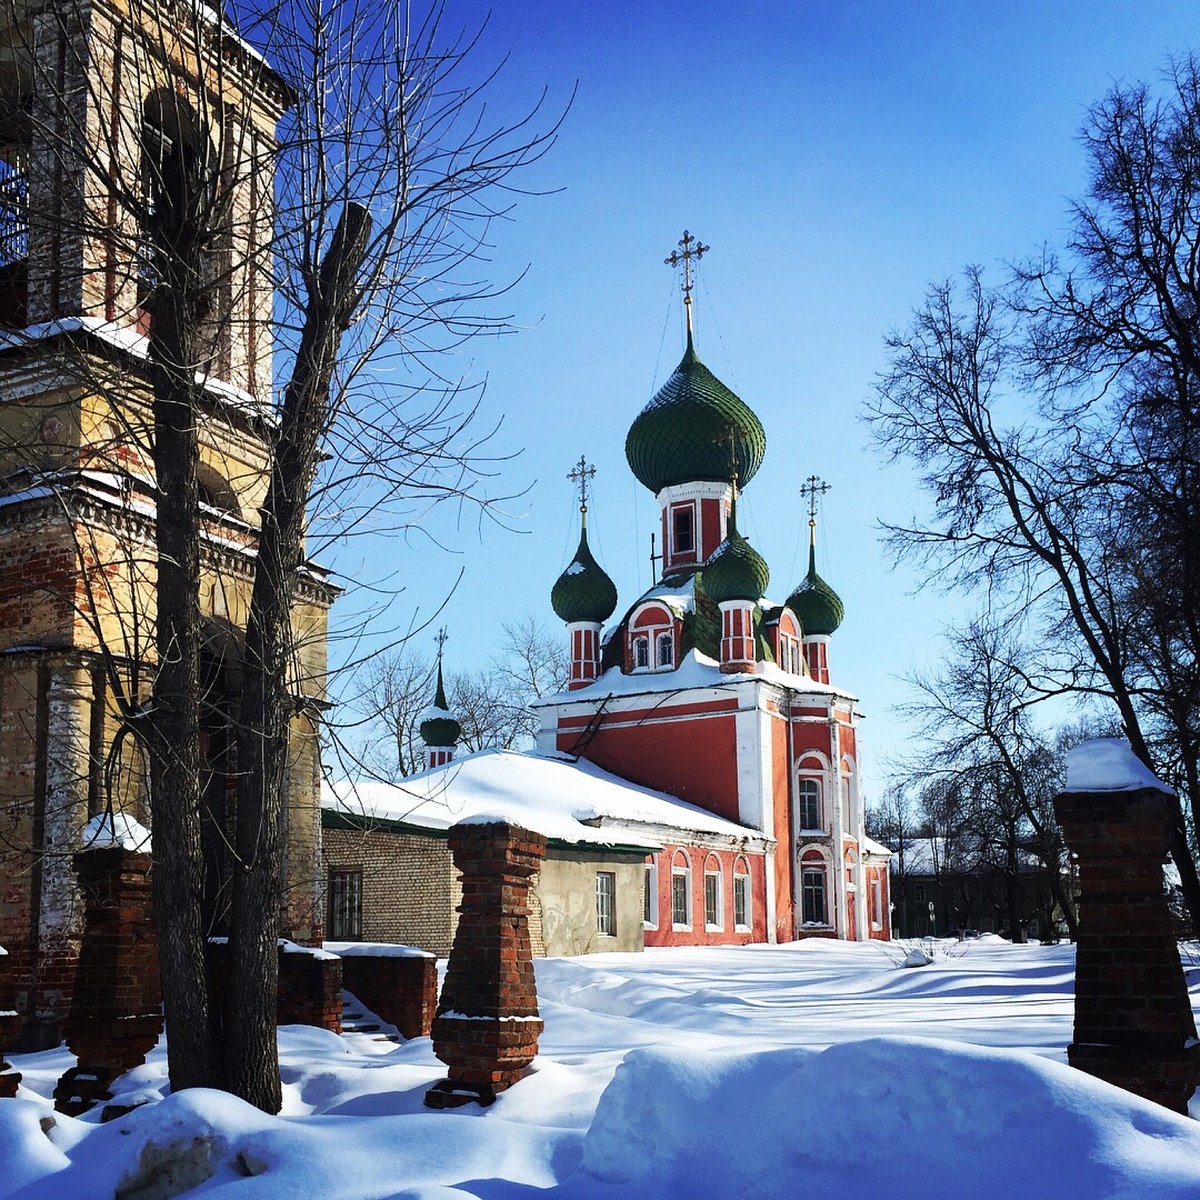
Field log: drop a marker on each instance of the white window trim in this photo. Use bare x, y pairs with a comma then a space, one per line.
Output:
684, 871
743, 926
677, 506
610, 878
651, 885
718, 925
821, 825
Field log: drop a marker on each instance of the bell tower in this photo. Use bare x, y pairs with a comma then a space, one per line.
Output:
104, 106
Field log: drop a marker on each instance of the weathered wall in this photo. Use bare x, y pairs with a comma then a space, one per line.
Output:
566, 891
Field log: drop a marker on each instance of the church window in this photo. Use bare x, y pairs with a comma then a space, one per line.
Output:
741, 894
876, 902
812, 893
844, 791
606, 908
714, 900
650, 896
641, 653
345, 906
808, 800
666, 650
683, 529
681, 892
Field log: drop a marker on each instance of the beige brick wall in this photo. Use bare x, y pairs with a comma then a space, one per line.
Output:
410, 890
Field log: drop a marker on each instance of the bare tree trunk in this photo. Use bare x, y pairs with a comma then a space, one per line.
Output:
252, 1060
174, 720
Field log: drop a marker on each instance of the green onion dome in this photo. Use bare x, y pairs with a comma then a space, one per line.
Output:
583, 592
439, 728
817, 605
736, 571
694, 429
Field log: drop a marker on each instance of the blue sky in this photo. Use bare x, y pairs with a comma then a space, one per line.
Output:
838, 157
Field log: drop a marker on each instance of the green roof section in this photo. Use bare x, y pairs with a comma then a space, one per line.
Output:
694, 429
735, 571
583, 592
439, 729
818, 606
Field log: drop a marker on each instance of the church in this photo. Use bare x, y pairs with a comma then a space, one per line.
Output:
704, 694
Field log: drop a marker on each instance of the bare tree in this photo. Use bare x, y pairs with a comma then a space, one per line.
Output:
1021, 512
363, 262
491, 703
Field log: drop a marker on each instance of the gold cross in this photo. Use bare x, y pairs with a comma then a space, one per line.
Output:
689, 248
580, 474
813, 486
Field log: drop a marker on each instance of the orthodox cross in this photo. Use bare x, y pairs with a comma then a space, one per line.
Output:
813, 487
689, 248
441, 638
581, 474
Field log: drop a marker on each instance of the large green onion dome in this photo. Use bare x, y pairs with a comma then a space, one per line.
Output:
736, 571
817, 605
694, 429
583, 592
439, 728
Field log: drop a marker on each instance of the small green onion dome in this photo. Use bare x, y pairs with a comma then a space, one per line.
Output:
736, 571
817, 605
583, 592
684, 434
439, 728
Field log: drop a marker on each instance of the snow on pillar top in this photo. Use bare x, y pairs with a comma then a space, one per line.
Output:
106, 830
1109, 765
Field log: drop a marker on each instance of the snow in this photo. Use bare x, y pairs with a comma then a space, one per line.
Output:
115, 829
576, 568
1108, 765
547, 795
818, 1069
375, 950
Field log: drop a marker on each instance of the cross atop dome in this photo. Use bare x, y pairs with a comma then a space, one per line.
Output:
581, 474
689, 248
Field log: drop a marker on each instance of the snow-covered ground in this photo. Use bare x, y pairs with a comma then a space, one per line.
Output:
813, 1070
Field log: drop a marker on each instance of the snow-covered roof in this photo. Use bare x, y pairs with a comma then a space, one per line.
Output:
695, 670
549, 795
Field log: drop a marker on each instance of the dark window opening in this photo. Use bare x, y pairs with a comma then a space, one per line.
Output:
345, 906
683, 529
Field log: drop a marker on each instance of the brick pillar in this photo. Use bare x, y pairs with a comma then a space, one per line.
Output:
10, 1027
1133, 1019
487, 1025
69, 699
116, 1015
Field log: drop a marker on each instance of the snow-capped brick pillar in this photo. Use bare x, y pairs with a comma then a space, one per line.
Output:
116, 1012
1133, 1019
487, 1026
10, 1027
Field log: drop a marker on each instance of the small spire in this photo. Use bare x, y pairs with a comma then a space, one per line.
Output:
689, 248
439, 700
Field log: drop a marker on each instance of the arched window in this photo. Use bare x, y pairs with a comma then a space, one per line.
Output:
652, 639
641, 652
714, 895
808, 804
681, 891
741, 894
814, 907
666, 650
